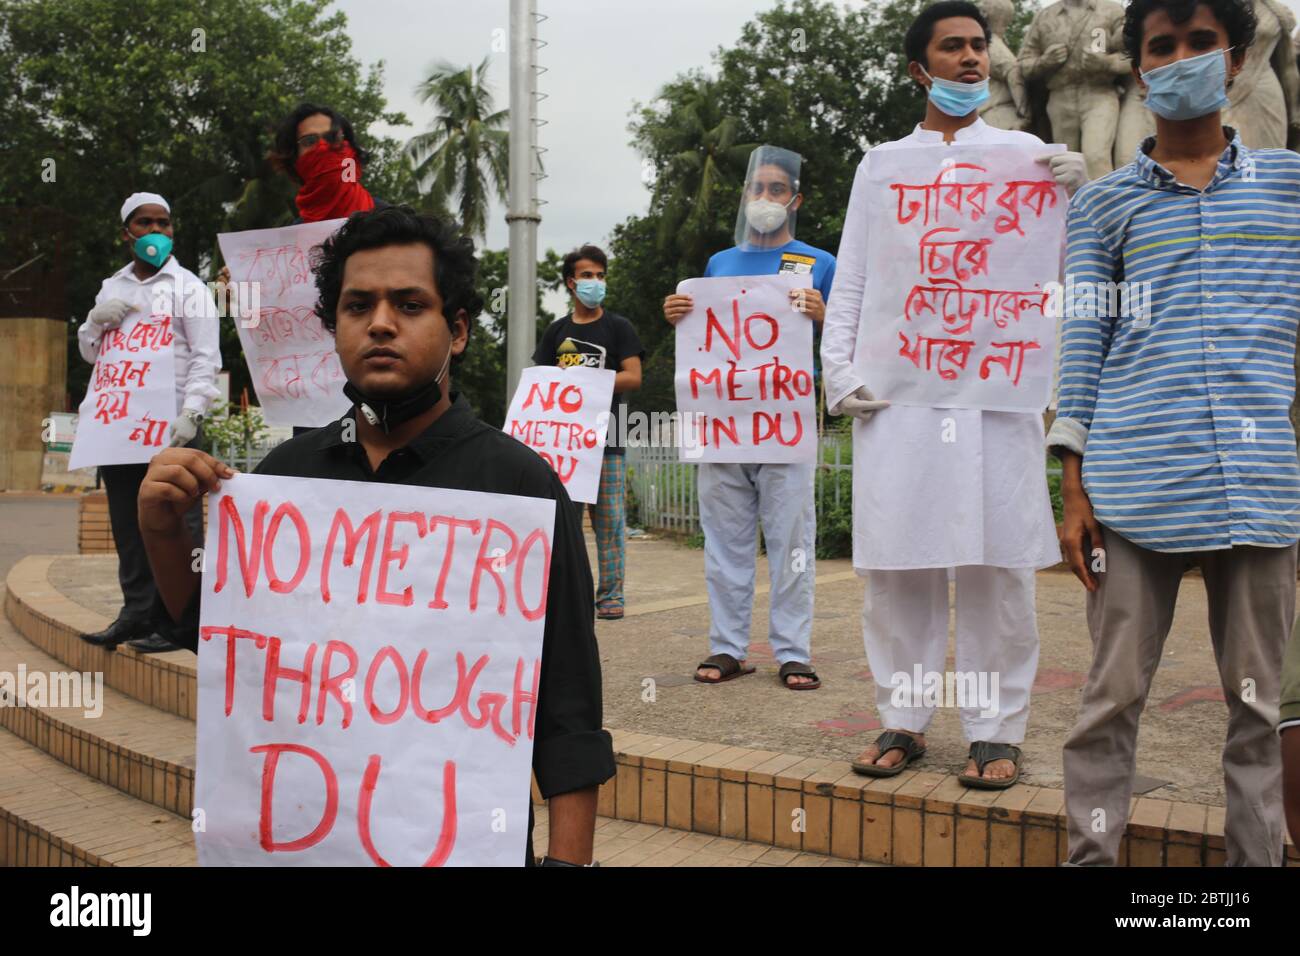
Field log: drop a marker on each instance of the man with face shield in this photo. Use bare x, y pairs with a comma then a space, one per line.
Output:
1173, 430
397, 290
930, 484
151, 281
734, 498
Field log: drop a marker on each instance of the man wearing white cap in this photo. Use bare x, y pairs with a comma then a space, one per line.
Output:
152, 281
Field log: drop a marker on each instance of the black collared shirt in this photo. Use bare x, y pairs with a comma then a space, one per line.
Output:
571, 751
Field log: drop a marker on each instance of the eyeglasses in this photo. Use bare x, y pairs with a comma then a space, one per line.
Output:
311, 139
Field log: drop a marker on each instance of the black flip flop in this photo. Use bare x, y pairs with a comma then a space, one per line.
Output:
798, 669
984, 753
891, 740
727, 666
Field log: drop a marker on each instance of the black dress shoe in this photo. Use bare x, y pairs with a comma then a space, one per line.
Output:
152, 644
116, 633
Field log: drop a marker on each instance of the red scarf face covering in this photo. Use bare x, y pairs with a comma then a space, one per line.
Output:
331, 183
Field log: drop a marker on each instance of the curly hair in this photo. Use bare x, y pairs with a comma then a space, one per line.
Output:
1237, 17
455, 267
284, 151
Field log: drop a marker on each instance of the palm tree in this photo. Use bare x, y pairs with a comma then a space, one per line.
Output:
464, 156
704, 174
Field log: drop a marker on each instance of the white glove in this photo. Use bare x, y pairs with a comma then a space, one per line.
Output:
861, 405
1068, 169
108, 315
184, 429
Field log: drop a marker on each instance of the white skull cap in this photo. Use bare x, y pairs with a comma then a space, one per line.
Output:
136, 200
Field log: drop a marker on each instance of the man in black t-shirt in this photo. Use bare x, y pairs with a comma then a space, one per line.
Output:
397, 292
593, 337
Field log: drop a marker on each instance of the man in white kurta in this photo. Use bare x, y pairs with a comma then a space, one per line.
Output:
940, 489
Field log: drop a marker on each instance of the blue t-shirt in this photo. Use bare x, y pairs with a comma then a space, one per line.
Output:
795, 256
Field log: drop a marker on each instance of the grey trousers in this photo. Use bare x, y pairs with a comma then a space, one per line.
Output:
1251, 596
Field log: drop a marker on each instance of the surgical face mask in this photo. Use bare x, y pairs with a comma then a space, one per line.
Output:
590, 292
765, 216
385, 413
1190, 88
957, 99
153, 248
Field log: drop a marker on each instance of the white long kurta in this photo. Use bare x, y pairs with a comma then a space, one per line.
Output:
933, 487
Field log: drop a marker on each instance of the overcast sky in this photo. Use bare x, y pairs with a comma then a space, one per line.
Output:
601, 57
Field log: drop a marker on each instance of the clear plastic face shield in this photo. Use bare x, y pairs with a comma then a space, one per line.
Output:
770, 199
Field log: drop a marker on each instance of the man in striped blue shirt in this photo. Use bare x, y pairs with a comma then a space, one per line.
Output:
1182, 273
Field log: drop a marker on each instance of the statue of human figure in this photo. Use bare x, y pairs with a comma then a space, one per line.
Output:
1263, 99
1008, 104
1069, 48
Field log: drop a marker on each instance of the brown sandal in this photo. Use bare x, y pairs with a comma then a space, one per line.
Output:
727, 666
797, 669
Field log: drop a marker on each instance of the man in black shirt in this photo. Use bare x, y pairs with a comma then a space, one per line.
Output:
397, 292
593, 337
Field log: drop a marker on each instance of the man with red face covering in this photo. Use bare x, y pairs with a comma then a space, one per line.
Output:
316, 147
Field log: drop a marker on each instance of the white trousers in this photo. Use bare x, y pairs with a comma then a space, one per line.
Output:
905, 625
734, 498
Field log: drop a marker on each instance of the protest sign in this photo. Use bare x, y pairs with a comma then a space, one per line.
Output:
291, 357
964, 257
131, 399
369, 658
563, 415
744, 375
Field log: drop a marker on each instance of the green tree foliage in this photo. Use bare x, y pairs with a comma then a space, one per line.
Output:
178, 99
481, 374
464, 156
820, 78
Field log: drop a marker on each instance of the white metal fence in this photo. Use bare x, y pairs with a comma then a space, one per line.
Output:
662, 489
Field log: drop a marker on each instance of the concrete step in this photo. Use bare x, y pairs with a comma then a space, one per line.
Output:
54, 623
51, 815
137, 749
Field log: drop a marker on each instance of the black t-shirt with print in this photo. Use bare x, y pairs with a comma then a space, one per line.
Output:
605, 343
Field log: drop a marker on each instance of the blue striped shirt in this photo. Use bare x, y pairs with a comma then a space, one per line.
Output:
1180, 406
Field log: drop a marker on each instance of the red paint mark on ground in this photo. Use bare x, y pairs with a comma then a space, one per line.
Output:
1048, 680
1192, 695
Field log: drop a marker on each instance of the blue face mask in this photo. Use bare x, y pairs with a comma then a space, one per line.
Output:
590, 292
1190, 88
154, 248
957, 99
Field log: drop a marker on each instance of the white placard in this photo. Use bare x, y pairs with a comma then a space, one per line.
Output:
131, 400
744, 373
563, 415
369, 657
963, 265
291, 358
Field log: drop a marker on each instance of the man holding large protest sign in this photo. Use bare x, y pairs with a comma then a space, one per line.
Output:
151, 316
593, 337
1173, 428
939, 482
397, 291
735, 496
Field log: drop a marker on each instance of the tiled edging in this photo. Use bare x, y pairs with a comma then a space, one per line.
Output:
818, 805
162, 783
24, 844
54, 623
